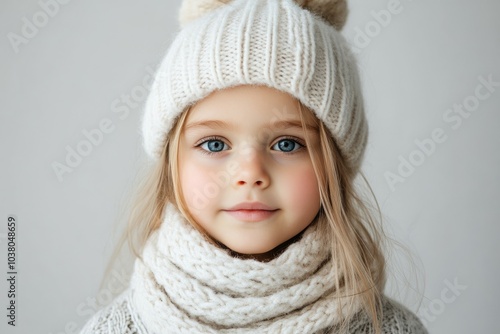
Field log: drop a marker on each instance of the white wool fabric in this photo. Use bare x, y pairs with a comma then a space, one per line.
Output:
185, 284
188, 285
275, 43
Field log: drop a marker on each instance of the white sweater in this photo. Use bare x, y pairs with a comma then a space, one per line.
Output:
184, 284
121, 317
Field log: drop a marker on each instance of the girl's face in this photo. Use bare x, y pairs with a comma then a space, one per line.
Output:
245, 145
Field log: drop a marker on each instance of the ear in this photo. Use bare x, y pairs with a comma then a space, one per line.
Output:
192, 9
333, 11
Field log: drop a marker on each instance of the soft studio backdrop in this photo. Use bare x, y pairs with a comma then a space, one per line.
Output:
74, 69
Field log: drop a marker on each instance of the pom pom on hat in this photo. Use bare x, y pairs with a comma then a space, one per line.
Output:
333, 11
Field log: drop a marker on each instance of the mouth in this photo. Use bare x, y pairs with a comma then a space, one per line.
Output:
251, 211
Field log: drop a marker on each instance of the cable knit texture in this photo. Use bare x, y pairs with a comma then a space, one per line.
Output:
187, 285
275, 43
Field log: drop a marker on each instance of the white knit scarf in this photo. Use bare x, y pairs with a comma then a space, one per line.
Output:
188, 285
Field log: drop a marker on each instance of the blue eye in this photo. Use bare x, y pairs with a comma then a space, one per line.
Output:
288, 145
213, 146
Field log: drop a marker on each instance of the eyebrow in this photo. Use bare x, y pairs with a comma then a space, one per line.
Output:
216, 124
208, 124
292, 124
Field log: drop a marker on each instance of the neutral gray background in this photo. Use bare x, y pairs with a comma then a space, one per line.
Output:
75, 71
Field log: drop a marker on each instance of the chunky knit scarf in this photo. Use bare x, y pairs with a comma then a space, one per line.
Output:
185, 284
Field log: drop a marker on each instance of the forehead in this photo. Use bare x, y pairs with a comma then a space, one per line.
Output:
247, 105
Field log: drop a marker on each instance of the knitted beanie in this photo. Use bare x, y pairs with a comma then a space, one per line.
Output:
292, 46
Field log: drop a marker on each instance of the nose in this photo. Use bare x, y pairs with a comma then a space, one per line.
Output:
251, 169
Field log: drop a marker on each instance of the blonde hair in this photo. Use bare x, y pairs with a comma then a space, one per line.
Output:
356, 238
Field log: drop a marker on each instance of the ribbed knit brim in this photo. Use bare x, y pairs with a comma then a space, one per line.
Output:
261, 42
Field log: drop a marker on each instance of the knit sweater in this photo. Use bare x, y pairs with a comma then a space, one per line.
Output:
184, 284
121, 317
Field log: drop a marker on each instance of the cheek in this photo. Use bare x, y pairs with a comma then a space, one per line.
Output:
304, 189
192, 179
195, 185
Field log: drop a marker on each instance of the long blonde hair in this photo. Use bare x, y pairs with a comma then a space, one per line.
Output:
356, 237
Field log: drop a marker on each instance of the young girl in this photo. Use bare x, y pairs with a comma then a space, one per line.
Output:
250, 221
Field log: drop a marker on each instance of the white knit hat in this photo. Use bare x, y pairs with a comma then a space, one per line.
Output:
276, 43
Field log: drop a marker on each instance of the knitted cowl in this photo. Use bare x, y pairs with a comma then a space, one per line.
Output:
185, 284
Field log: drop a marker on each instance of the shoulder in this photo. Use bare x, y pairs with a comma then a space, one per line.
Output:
396, 319
116, 318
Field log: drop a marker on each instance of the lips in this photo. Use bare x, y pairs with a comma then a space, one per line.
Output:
251, 206
251, 212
